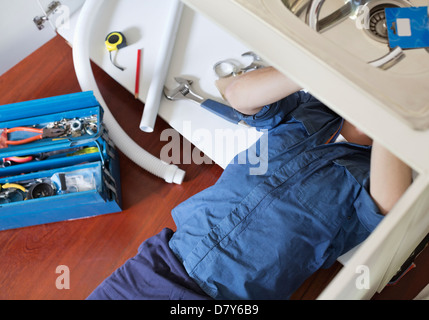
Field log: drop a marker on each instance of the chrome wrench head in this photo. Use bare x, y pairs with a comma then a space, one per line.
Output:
178, 92
228, 68
256, 63
183, 91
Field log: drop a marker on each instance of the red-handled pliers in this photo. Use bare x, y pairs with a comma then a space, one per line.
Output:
42, 134
10, 161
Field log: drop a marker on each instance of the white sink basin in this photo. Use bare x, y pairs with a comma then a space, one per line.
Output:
403, 86
368, 42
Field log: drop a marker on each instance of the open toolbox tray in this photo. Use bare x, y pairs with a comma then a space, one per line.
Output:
69, 176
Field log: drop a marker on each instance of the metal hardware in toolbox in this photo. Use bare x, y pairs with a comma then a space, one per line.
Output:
56, 162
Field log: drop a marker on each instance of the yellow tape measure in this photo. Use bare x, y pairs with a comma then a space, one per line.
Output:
115, 41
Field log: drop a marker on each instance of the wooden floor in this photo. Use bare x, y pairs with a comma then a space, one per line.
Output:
93, 248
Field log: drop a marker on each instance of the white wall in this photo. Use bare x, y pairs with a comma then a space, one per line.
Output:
20, 35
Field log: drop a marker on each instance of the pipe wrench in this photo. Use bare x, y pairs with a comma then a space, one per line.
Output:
184, 92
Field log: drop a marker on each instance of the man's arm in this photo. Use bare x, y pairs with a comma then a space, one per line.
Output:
390, 178
250, 92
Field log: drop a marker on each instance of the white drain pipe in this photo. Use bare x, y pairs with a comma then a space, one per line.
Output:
156, 88
85, 76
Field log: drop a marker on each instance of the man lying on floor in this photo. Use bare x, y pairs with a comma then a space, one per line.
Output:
260, 236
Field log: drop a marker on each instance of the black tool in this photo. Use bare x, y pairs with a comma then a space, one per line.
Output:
40, 190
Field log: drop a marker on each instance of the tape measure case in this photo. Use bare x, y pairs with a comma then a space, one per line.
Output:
57, 162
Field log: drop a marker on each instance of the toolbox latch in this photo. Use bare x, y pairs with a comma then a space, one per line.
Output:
110, 184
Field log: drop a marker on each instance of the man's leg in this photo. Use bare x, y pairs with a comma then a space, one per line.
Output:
153, 274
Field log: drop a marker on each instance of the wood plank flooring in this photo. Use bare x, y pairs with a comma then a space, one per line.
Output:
93, 248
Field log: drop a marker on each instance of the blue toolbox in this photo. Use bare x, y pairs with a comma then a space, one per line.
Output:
56, 162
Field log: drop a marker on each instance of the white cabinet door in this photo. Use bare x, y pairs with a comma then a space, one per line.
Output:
21, 36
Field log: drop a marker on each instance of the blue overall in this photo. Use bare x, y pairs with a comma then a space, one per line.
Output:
256, 236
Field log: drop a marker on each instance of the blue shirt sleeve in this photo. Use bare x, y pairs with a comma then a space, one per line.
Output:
272, 115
